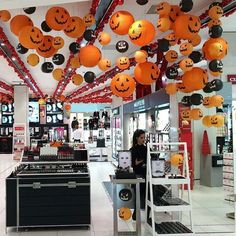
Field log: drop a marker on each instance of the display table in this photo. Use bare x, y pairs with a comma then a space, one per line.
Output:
136, 182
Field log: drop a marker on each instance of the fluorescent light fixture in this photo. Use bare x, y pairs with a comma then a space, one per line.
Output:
13, 59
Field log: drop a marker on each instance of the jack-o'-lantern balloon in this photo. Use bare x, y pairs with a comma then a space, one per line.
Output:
187, 26
206, 121
122, 85
171, 56
46, 49
104, 38
186, 64
182, 88
123, 63
163, 24
195, 79
172, 39
74, 62
120, 22
186, 49
77, 79
140, 56
30, 37
5, 15
33, 59
163, 8
125, 213
89, 20
217, 120
146, 73
217, 100
58, 42
174, 13
214, 22
18, 22
104, 64
186, 114
57, 18
89, 56
171, 88
75, 27
196, 114
207, 102
58, 74
141, 32
196, 40
176, 160
215, 12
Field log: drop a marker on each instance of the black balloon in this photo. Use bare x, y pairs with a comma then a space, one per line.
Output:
216, 85
74, 47
47, 67
186, 5
89, 77
196, 99
122, 46
216, 65
45, 27
186, 101
89, 35
21, 49
207, 88
215, 4
29, 10
147, 49
142, 2
195, 56
215, 31
172, 73
163, 45
125, 194
58, 59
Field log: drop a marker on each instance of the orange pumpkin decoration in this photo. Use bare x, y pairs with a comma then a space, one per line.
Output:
196, 114
163, 24
75, 63
163, 8
57, 18
171, 56
182, 88
89, 56
186, 64
75, 27
123, 63
206, 120
33, 59
120, 22
215, 12
186, 114
146, 73
104, 64
58, 74
104, 38
58, 42
30, 37
67, 107
141, 32
18, 22
176, 160
140, 56
125, 213
171, 88
174, 13
186, 49
196, 40
89, 20
187, 26
5, 15
207, 102
172, 39
217, 100
214, 22
195, 79
217, 120
77, 79
46, 49
122, 85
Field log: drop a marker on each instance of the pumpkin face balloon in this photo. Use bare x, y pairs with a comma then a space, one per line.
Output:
77, 79
120, 22
89, 56
140, 56
75, 27
215, 12
123, 63
196, 114
163, 24
176, 160
5, 15
217, 120
172, 39
125, 213
33, 59
46, 49
186, 114
171, 88
141, 32
57, 18
58, 74
171, 56
186, 49
163, 8
186, 64
206, 120
214, 22
104, 64
18, 22
174, 13
89, 20
217, 100
196, 40
146, 73
58, 42
207, 102
122, 85
104, 38
30, 37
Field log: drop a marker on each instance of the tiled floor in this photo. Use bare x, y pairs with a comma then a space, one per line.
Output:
209, 208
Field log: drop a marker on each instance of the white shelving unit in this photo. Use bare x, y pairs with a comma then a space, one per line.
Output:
173, 226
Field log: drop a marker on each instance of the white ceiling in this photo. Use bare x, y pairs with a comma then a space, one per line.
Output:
79, 8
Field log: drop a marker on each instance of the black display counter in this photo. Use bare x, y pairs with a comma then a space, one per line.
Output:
5, 145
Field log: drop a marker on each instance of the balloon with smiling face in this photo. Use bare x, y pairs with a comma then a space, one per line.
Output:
123, 63
122, 46
207, 102
57, 18
46, 49
120, 22
125, 213
186, 49
206, 121
172, 72
58, 42
217, 120
122, 85
89, 20
186, 114
58, 59
171, 56
217, 100
215, 12
186, 64
77, 79
176, 160
140, 56
18, 22
196, 114
75, 27
146, 73
163, 8
125, 194
163, 24
104, 64
104, 38
172, 39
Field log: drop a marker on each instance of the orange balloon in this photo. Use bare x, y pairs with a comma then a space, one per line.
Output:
46, 49
146, 73
196, 114
75, 27
186, 64
171, 56
77, 79
58, 42
33, 59
163, 8
172, 39
186, 114
176, 160
163, 24
120, 22
141, 32
140, 56
18, 22
104, 38
217, 100
67, 107
215, 74
206, 120
89, 20
217, 120
104, 64
30, 37
75, 63
5, 15
214, 22
186, 49
89, 56
58, 74
215, 12
182, 88
196, 40
207, 102
123, 63
171, 88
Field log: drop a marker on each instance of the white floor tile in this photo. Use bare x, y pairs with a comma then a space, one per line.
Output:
39, 233
75, 233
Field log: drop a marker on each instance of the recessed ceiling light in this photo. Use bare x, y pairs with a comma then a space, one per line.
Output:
13, 58
3, 44
70, 69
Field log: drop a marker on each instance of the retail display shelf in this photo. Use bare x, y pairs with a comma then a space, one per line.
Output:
166, 180
53, 161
